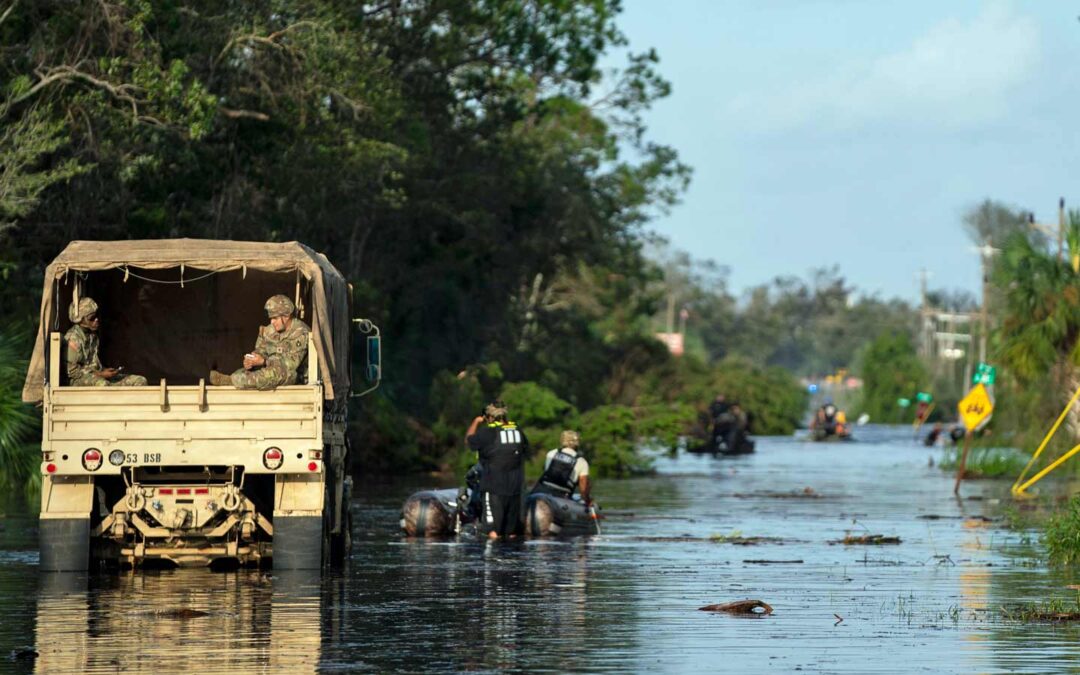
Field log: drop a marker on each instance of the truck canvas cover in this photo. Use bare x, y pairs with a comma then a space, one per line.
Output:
175, 308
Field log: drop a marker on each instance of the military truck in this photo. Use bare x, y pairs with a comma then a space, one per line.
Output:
182, 472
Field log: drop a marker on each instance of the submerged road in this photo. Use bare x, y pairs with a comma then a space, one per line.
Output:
703, 531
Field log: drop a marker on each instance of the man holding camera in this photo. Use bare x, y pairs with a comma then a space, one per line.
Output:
501, 447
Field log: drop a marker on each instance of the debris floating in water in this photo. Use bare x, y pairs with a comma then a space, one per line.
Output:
805, 493
866, 540
741, 607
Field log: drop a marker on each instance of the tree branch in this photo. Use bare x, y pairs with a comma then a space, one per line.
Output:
122, 92
4, 16
244, 114
269, 40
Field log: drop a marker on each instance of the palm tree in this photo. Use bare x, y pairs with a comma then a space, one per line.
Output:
18, 422
1040, 297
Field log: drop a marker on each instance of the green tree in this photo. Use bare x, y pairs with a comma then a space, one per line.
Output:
890, 369
1038, 337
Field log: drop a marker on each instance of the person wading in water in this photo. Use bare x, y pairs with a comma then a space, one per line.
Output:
501, 448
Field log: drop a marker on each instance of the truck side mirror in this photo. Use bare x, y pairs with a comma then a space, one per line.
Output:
374, 358
373, 348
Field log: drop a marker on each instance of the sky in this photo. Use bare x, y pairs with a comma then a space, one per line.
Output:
851, 133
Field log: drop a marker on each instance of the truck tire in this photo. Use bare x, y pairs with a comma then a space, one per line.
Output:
298, 543
341, 543
64, 544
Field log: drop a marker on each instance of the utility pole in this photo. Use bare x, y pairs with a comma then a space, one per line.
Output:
925, 344
671, 312
987, 251
1061, 229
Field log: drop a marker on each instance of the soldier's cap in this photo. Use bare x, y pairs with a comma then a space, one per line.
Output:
279, 305
496, 410
570, 439
85, 307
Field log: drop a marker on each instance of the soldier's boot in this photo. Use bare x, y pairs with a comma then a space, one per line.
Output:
220, 379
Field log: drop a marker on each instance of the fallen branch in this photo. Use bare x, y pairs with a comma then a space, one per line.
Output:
866, 540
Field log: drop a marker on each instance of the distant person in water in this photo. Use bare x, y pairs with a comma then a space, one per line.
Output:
934, 435
825, 418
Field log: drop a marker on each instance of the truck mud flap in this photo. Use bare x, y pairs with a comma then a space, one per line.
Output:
65, 544
298, 543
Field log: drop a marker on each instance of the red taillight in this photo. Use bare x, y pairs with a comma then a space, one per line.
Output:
164, 491
202, 491
183, 491
91, 459
312, 466
50, 468
273, 458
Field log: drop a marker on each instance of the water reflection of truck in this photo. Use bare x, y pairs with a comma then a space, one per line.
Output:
182, 471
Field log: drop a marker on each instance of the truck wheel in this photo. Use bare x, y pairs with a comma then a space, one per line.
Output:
298, 543
65, 544
341, 543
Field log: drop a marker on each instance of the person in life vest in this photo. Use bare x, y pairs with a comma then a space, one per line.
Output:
501, 448
825, 419
841, 423
565, 470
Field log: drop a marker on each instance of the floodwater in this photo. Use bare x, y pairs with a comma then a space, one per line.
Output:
624, 601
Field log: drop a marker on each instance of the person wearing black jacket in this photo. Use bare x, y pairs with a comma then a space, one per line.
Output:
501, 448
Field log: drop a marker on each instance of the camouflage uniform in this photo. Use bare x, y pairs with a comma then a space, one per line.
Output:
83, 362
285, 352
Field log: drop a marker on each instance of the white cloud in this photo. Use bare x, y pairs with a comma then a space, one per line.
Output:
956, 74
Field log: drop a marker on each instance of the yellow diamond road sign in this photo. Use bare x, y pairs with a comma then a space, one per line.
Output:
976, 408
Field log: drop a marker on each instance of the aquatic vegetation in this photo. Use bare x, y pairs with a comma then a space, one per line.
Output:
986, 462
1023, 519
1062, 534
1054, 610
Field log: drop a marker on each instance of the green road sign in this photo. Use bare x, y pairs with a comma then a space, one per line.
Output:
984, 374
923, 397
903, 402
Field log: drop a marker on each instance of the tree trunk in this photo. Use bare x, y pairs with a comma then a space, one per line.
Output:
1069, 376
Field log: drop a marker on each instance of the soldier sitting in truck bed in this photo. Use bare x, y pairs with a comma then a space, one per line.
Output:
81, 351
280, 350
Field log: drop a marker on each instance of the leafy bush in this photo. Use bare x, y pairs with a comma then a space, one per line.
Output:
1062, 537
772, 396
19, 422
611, 435
532, 405
385, 439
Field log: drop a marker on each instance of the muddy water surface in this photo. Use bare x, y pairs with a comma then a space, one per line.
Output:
703, 531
